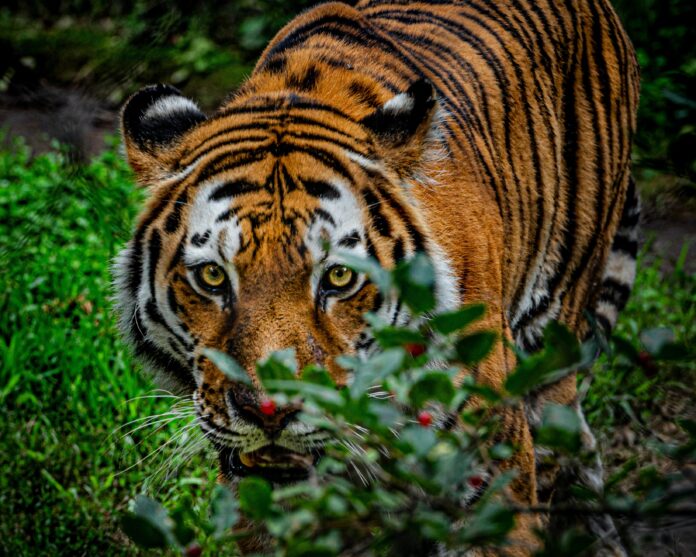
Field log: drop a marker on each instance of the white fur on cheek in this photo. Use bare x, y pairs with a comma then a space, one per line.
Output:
210, 238
347, 219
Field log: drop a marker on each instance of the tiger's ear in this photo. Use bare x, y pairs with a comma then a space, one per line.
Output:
153, 121
402, 124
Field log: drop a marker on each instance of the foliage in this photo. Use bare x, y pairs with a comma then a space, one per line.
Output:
666, 50
413, 461
635, 378
80, 437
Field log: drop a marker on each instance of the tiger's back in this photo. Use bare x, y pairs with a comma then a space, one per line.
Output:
537, 107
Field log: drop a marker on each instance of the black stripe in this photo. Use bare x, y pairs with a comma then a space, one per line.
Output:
379, 221
343, 28
199, 240
155, 316
178, 254
135, 262
532, 313
174, 305
305, 82
154, 250
570, 156
174, 218
349, 240
232, 189
364, 93
324, 215
615, 292
625, 245
322, 190
398, 252
275, 65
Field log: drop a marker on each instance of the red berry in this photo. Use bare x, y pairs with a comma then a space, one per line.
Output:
415, 349
645, 361
193, 550
267, 406
475, 481
425, 419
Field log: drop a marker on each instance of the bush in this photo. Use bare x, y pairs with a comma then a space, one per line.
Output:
415, 461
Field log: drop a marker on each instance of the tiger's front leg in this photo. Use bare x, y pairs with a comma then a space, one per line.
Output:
512, 429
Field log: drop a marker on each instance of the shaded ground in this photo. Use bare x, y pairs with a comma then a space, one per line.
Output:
71, 117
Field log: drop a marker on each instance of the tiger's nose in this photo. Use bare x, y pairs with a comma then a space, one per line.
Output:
263, 413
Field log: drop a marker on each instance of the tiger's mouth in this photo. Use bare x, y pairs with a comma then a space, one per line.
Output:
272, 462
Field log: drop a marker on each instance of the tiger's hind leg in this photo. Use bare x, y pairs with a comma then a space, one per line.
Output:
556, 474
617, 281
588, 472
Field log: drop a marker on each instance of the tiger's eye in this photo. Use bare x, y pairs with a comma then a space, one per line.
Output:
339, 276
212, 275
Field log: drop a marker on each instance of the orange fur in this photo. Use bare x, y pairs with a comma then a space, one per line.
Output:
518, 175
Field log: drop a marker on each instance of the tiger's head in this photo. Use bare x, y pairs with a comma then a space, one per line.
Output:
236, 249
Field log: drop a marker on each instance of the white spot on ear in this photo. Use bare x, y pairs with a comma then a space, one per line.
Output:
398, 104
164, 107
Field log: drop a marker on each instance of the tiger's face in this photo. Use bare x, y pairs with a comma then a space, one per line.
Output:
238, 251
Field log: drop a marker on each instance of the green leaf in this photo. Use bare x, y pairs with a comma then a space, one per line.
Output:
433, 524
500, 451
227, 365
183, 533
421, 439
655, 339
415, 280
142, 532
689, 426
621, 474
386, 413
281, 365
624, 348
435, 386
470, 387
390, 337
490, 523
674, 352
149, 524
570, 543
255, 497
560, 428
223, 510
321, 395
447, 323
376, 370
561, 355
318, 376
370, 267
473, 348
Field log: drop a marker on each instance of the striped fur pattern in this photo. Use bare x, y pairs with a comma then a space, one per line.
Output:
492, 135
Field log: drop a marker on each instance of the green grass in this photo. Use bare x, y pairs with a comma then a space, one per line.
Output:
67, 383
622, 392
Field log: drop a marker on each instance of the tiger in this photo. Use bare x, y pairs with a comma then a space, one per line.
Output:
492, 136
